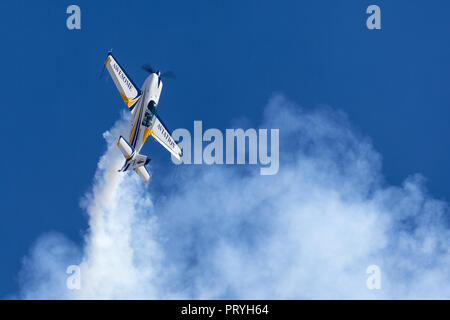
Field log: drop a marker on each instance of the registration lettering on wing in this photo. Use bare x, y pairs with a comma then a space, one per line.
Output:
168, 139
122, 76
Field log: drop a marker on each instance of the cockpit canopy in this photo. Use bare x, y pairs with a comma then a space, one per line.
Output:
150, 112
151, 106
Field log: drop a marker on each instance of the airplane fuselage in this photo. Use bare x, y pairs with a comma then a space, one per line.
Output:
144, 111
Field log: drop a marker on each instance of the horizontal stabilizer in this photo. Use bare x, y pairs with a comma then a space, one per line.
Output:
133, 160
125, 148
142, 173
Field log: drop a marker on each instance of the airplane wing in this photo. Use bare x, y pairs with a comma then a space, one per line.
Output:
160, 133
127, 89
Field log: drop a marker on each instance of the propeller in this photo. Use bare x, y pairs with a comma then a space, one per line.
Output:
168, 74
150, 69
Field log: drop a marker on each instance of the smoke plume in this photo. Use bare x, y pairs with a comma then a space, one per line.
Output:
310, 231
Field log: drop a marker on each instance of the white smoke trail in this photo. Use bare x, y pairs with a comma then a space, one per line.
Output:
119, 236
308, 232
121, 257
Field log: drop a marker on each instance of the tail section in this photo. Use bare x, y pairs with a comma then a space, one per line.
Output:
133, 160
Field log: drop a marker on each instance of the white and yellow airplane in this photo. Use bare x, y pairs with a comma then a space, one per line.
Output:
142, 104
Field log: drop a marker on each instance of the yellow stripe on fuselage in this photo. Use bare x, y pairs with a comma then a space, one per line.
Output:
147, 132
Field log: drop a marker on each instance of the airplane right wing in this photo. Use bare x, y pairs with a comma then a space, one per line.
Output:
160, 133
127, 89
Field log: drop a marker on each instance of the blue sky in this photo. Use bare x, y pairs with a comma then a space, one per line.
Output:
230, 58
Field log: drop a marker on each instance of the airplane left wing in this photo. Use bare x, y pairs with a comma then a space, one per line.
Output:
129, 92
160, 133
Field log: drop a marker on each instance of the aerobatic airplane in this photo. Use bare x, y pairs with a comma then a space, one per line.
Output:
142, 104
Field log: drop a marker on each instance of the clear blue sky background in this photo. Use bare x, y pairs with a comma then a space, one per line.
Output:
229, 57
